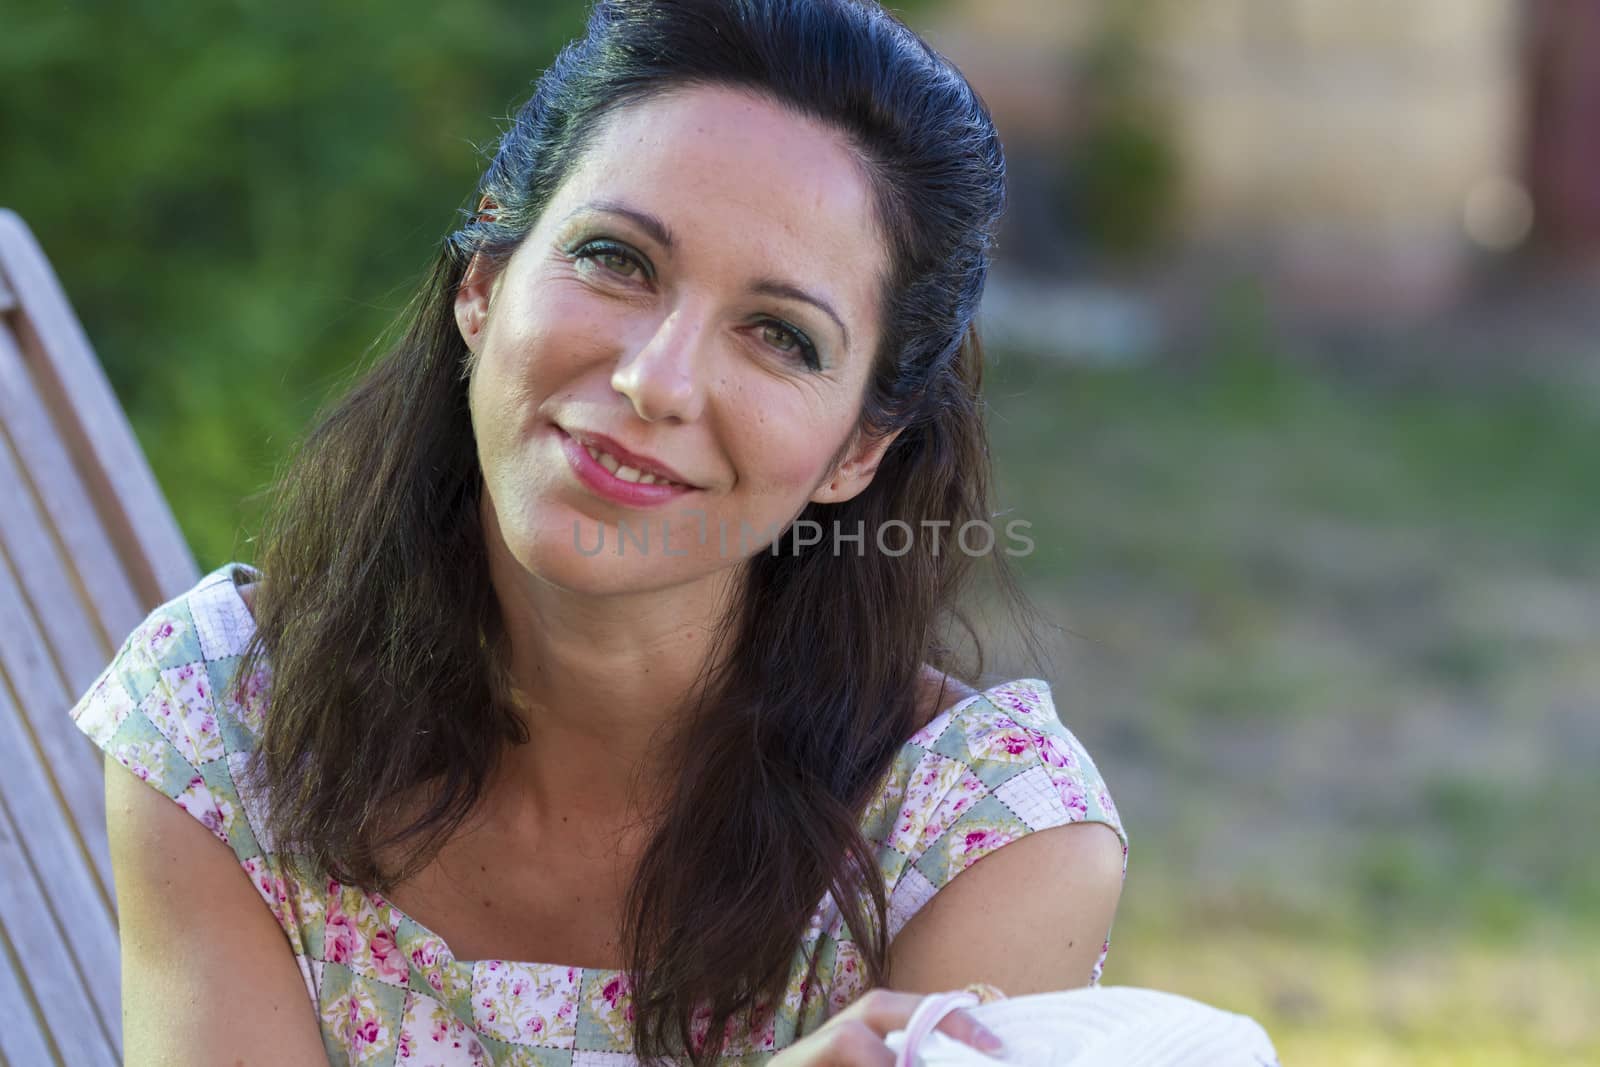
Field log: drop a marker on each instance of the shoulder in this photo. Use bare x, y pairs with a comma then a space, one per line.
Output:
203, 932
1002, 811
1005, 752
208, 622
167, 708
990, 768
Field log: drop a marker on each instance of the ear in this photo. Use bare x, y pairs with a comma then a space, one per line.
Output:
477, 286
472, 301
855, 470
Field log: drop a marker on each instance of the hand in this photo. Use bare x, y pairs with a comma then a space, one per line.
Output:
855, 1036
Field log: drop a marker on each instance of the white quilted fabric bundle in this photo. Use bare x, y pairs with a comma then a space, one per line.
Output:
1097, 1026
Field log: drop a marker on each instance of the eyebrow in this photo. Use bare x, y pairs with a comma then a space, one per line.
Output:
661, 233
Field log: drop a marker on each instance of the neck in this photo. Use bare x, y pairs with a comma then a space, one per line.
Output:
601, 683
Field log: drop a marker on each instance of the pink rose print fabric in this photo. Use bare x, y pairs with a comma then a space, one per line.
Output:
388, 991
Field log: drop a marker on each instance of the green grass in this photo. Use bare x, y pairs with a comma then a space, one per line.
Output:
1336, 645
1350, 1001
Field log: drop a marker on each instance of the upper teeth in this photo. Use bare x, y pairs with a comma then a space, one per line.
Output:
626, 473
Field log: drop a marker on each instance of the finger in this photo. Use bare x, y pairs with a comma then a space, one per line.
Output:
885, 1010
964, 1027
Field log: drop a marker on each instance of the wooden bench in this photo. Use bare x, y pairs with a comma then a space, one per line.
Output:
87, 547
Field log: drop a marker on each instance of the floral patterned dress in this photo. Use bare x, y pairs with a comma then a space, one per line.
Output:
994, 767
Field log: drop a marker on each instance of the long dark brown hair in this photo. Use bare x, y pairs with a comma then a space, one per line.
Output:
382, 630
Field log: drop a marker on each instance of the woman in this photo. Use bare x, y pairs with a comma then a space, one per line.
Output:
548, 660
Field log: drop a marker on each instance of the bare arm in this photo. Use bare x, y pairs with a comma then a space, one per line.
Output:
208, 977
1030, 917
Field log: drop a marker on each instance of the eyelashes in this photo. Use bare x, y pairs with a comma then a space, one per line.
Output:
620, 261
601, 251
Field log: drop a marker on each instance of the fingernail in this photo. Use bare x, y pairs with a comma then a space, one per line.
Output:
989, 1041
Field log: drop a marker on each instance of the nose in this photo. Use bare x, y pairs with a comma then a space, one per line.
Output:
663, 378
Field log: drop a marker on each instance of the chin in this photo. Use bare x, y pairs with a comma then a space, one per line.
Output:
550, 553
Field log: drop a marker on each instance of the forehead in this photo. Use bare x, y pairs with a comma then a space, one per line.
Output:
732, 172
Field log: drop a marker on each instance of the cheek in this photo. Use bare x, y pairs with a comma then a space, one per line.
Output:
496, 401
788, 453
532, 351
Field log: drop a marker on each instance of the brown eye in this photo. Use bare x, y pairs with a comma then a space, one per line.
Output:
618, 263
791, 342
780, 337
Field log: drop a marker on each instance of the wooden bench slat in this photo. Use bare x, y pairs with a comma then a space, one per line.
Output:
23, 1038
74, 912
34, 671
61, 932
96, 432
78, 644
65, 493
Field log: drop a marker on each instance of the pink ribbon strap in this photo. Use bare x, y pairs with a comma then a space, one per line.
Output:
934, 1007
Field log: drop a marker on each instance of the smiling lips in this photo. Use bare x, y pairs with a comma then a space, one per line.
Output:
617, 474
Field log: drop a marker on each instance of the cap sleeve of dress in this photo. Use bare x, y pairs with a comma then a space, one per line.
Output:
988, 771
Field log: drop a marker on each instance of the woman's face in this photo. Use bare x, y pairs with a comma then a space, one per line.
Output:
701, 296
